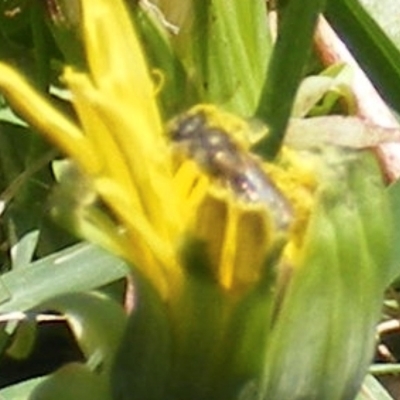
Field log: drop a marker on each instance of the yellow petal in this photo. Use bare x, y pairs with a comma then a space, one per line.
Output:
116, 60
42, 116
238, 236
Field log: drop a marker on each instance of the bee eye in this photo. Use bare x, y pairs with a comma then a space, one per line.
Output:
188, 127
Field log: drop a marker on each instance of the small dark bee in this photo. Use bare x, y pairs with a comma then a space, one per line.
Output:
220, 157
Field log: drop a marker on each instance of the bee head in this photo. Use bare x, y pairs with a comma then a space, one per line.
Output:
187, 127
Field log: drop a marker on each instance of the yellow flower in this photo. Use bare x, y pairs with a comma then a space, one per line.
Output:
119, 142
217, 232
121, 145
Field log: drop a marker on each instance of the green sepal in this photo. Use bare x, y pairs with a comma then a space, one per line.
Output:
200, 315
218, 334
143, 360
323, 338
246, 338
394, 272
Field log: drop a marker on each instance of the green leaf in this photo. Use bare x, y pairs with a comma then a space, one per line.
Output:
64, 22
373, 390
385, 13
318, 94
79, 268
23, 340
7, 115
228, 48
40, 46
23, 251
98, 323
74, 381
176, 90
25, 180
286, 69
369, 44
4, 339
16, 47
87, 315
21, 390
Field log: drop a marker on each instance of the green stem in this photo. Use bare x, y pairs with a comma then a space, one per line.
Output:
290, 54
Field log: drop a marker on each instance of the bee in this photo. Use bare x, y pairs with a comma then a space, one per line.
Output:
220, 157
